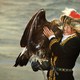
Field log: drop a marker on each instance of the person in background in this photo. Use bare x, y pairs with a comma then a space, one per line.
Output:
66, 49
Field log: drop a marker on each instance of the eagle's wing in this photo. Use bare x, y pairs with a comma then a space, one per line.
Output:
36, 20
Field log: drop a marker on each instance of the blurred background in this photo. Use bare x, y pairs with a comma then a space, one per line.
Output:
14, 16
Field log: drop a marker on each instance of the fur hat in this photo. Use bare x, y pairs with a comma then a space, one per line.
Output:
71, 17
71, 21
71, 13
75, 26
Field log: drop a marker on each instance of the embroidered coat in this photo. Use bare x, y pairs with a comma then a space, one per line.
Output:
67, 53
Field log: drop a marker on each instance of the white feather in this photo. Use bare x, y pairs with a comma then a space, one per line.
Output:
24, 49
67, 11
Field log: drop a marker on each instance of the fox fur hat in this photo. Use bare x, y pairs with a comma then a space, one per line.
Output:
71, 17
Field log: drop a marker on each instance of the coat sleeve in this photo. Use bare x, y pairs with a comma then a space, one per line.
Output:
72, 46
55, 46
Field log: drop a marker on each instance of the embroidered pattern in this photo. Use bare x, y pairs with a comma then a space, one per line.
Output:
53, 41
62, 43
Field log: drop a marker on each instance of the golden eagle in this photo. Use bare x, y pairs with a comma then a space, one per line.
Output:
33, 39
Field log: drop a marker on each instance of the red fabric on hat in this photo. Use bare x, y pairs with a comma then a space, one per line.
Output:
74, 14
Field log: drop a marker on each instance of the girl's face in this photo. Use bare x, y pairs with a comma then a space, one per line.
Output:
67, 30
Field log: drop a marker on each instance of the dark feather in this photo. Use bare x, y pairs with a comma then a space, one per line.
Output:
41, 20
34, 39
